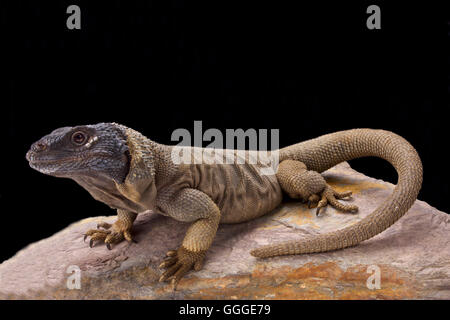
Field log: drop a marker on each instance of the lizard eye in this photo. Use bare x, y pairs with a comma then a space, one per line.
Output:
79, 138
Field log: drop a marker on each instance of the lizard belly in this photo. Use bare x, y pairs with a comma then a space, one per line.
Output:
239, 190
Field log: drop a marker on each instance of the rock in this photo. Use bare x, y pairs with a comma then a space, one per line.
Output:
412, 257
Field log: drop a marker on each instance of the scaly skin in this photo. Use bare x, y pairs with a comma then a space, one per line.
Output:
132, 174
326, 151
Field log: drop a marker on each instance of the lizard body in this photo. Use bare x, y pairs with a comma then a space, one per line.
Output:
131, 173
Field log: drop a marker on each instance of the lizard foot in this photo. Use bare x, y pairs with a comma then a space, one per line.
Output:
178, 262
330, 196
111, 233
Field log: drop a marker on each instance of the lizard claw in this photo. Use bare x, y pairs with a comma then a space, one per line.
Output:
312, 200
114, 233
330, 196
171, 253
178, 263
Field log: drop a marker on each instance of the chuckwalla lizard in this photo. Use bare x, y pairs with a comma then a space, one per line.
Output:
131, 173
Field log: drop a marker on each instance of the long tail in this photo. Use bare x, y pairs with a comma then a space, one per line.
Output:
326, 151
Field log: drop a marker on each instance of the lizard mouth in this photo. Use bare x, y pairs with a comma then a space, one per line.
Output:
47, 165
33, 160
36, 160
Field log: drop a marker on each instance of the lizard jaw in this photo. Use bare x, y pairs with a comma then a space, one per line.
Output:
45, 165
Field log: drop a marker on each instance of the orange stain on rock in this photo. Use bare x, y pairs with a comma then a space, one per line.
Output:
342, 185
310, 281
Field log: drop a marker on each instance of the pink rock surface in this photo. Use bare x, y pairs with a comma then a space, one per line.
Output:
413, 257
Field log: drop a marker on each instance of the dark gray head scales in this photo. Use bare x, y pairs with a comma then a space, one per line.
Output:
99, 151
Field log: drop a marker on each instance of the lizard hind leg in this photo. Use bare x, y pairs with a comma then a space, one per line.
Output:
300, 183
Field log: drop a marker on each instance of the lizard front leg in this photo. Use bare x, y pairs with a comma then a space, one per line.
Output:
113, 233
190, 205
298, 182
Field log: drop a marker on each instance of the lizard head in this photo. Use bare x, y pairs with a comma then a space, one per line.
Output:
99, 151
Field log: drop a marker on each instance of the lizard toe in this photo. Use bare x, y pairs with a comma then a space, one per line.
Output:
178, 263
330, 197
170, 271
95, 236
111, 234
104, 225
168, 262
180, 273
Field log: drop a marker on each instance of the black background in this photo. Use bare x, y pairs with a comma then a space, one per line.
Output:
305, 69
